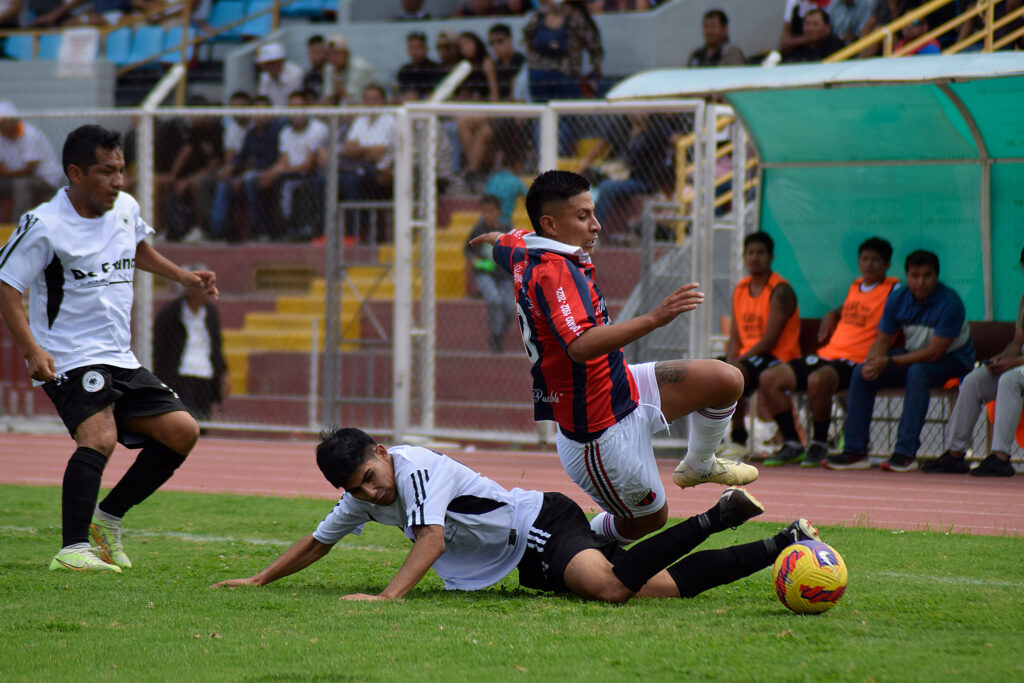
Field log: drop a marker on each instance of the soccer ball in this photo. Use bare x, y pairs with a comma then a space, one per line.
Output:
809, 577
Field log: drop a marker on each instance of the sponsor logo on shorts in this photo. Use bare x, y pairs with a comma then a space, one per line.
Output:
92, 381
553, 397
644, 498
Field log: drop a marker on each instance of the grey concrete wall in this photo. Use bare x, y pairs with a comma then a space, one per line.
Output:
36, 86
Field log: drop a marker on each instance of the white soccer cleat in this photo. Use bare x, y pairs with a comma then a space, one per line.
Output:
725, 472
107, 536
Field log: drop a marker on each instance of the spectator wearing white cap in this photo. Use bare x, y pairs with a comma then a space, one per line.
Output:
278, 76
29, 170
345, 75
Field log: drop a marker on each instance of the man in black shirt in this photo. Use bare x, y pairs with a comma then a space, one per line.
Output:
421, 74
818, 27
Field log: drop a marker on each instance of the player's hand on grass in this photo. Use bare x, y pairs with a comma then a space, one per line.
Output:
231, 583
488, 237
684, 299
362, 597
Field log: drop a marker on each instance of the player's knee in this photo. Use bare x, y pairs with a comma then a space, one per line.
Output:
613, 591
732, 380
101, 443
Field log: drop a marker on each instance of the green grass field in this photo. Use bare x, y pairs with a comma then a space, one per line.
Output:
920, 606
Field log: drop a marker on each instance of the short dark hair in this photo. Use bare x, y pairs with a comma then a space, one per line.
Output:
341, 451
314, 40
762, 237
716, 14
376, 86
262, 99
301, 92
81, 144
241, 95
552, 186
824, 16
416, 35
921, 258
500, 29
879, 246
491, 199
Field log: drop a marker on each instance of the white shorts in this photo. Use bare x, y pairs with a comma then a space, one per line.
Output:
618, 470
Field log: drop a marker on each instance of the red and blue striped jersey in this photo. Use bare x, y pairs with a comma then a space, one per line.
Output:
557, 301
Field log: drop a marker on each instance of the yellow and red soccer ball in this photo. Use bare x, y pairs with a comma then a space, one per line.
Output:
809, 577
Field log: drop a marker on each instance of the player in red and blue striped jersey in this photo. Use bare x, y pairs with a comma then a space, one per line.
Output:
606, 409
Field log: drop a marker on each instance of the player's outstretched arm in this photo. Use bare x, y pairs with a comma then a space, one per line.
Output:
303, 553
149, 259
40, 364
428, 547
597, 341
488, 237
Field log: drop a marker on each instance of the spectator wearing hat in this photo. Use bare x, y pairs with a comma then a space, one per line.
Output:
278, 76
345, 75
447, 50
29, 171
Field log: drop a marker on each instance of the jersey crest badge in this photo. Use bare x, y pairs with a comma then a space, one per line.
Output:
92, 381
643, 498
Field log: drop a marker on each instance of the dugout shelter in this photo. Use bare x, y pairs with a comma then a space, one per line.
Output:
927, 152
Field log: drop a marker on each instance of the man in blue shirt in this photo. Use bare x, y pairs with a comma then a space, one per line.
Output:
937, 347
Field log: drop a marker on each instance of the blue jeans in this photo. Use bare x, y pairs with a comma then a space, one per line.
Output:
497, 295
918, 379
612, 200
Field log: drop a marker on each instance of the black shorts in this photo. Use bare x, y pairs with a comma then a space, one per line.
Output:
753, 368
560, 532
803, 367
85, 391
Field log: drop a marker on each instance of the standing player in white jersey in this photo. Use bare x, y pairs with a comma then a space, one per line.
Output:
77, 254
474, 533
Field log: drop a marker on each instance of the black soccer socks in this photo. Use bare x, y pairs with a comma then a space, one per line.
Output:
636, 566
82, 478
154, 465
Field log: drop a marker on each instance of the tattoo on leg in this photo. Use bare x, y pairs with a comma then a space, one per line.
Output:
670, 372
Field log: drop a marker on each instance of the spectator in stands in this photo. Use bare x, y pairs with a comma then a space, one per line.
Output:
884, 12
716, 50
913, 31
938, 348
278, 76
412, 10
821, 42
794, 34
52, 13
9, 11
188, 351
602, 6
481, 8
556, 37
345, 75
29, 170
649, 157
194, 176
366, 166
235, 126
1001, 379
298, 173
316, 50
508, 61
476, 132
493, 283
506, 185
848, 17
447, 50
239, 186
112, 12
849, 332
765, 327
420, 74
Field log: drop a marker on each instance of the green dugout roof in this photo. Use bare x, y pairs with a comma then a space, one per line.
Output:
927, 152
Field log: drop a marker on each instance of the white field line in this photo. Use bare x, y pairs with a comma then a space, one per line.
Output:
199, 538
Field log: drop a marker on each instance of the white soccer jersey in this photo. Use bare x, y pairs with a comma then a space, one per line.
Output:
485, 526
80, 273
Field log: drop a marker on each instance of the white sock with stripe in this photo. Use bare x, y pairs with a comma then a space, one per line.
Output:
707, 427
603, 524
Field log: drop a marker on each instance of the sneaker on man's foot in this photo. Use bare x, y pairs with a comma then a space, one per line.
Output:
993, 466
727, 472
947, 463
82, 560
785, 455
815, 455
898, 462
107, 536
801, 530
848, 461
736, 506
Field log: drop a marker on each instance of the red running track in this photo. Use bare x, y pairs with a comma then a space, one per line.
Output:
869, 498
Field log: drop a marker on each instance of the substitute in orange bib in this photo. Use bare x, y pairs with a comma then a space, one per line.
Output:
765, 326
847, 334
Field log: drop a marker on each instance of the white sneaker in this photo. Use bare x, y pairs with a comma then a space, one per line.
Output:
726, 472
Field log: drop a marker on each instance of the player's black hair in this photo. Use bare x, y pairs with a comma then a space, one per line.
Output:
340, 451
500, 30
552, 186
717, 14
879, 246
921, 258
762, 237
241, 95
81, 144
